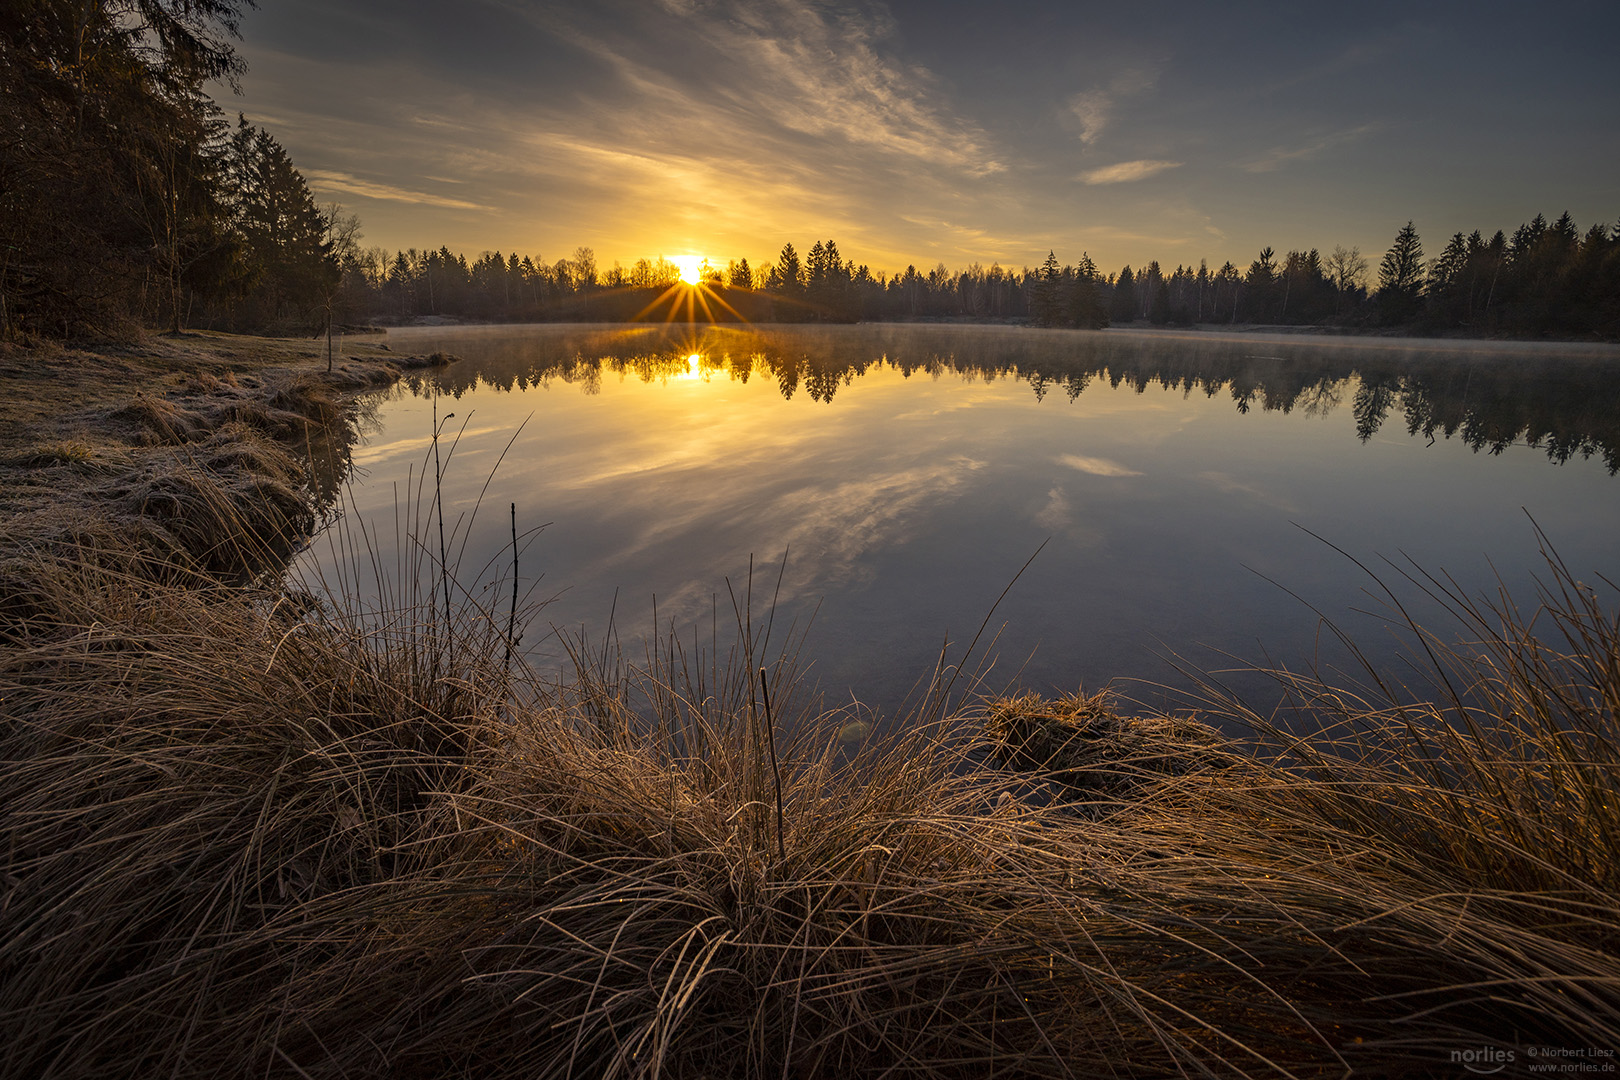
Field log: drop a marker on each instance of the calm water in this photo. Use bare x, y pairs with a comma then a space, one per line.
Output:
909, 472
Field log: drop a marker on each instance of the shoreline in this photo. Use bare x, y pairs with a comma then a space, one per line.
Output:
1303, 330
131, 440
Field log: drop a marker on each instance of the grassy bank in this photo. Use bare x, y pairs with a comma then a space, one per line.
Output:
246, 836
174, 454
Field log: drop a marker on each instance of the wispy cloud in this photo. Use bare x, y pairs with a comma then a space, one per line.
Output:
1091, 109
799, 65
1096, 466
686, 124
830, 527
1278, 156
1057, 514
1225, 482
342, 181
1127, 171
1094, 109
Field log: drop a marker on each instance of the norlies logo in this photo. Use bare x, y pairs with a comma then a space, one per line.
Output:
1485, 1060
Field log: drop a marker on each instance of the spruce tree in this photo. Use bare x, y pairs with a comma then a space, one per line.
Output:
1400, 277
1123, 306
1045, 304
1086, 308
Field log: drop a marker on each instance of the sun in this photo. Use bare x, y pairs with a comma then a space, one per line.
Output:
691, 268
690, 289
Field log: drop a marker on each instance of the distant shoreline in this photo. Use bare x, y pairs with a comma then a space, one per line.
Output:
382, 325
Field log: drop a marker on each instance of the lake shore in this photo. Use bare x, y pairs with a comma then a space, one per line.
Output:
247, 836
202, 449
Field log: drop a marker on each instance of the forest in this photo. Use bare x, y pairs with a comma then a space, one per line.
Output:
182, 218
128, 200
1546, 279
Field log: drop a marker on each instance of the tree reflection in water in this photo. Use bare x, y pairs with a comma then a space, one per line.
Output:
1490, 396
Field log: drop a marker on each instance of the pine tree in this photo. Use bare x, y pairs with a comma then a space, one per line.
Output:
1400, 277
1446, 286
1123, 306
1260, 286
787, 283
1045, 301
1086, 308
290, 270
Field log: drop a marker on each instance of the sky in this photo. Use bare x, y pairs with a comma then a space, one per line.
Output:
939, 131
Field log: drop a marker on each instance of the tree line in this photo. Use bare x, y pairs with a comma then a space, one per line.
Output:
127, 199
1544, 279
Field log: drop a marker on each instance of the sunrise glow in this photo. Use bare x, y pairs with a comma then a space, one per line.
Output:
691, 268
694, 367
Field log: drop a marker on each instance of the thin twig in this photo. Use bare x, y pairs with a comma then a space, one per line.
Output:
776, 770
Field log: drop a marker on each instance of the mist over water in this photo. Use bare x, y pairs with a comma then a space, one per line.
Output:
908, 472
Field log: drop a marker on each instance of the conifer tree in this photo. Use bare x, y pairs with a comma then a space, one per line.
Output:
1086, 308
1400, 277
290, 270
1045, 303
103, 178
1123, 306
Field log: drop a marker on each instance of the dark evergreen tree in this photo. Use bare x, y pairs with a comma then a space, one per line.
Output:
1045, 296
1446, 291
1227, 293
1159, 309
1122, 308
1400, 277
291, 271
1260, 288
1086, 309
786, 281
1147, 285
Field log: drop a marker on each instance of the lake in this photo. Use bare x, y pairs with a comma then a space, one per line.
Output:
1171, 482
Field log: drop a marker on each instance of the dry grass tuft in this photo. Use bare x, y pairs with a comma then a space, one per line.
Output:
160, 421
55, 452
1086, 744
237, 503
209, 382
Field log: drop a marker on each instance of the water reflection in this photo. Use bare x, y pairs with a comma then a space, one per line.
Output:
1564, 400
911, 470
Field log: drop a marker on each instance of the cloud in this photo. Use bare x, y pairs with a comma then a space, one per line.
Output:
839, 524
1057, 514
806, 67
1278, 156
1096, 466
1094, 109
1127, 171
342, 181
1225, 482
1091, 109
686, 124
832, 528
